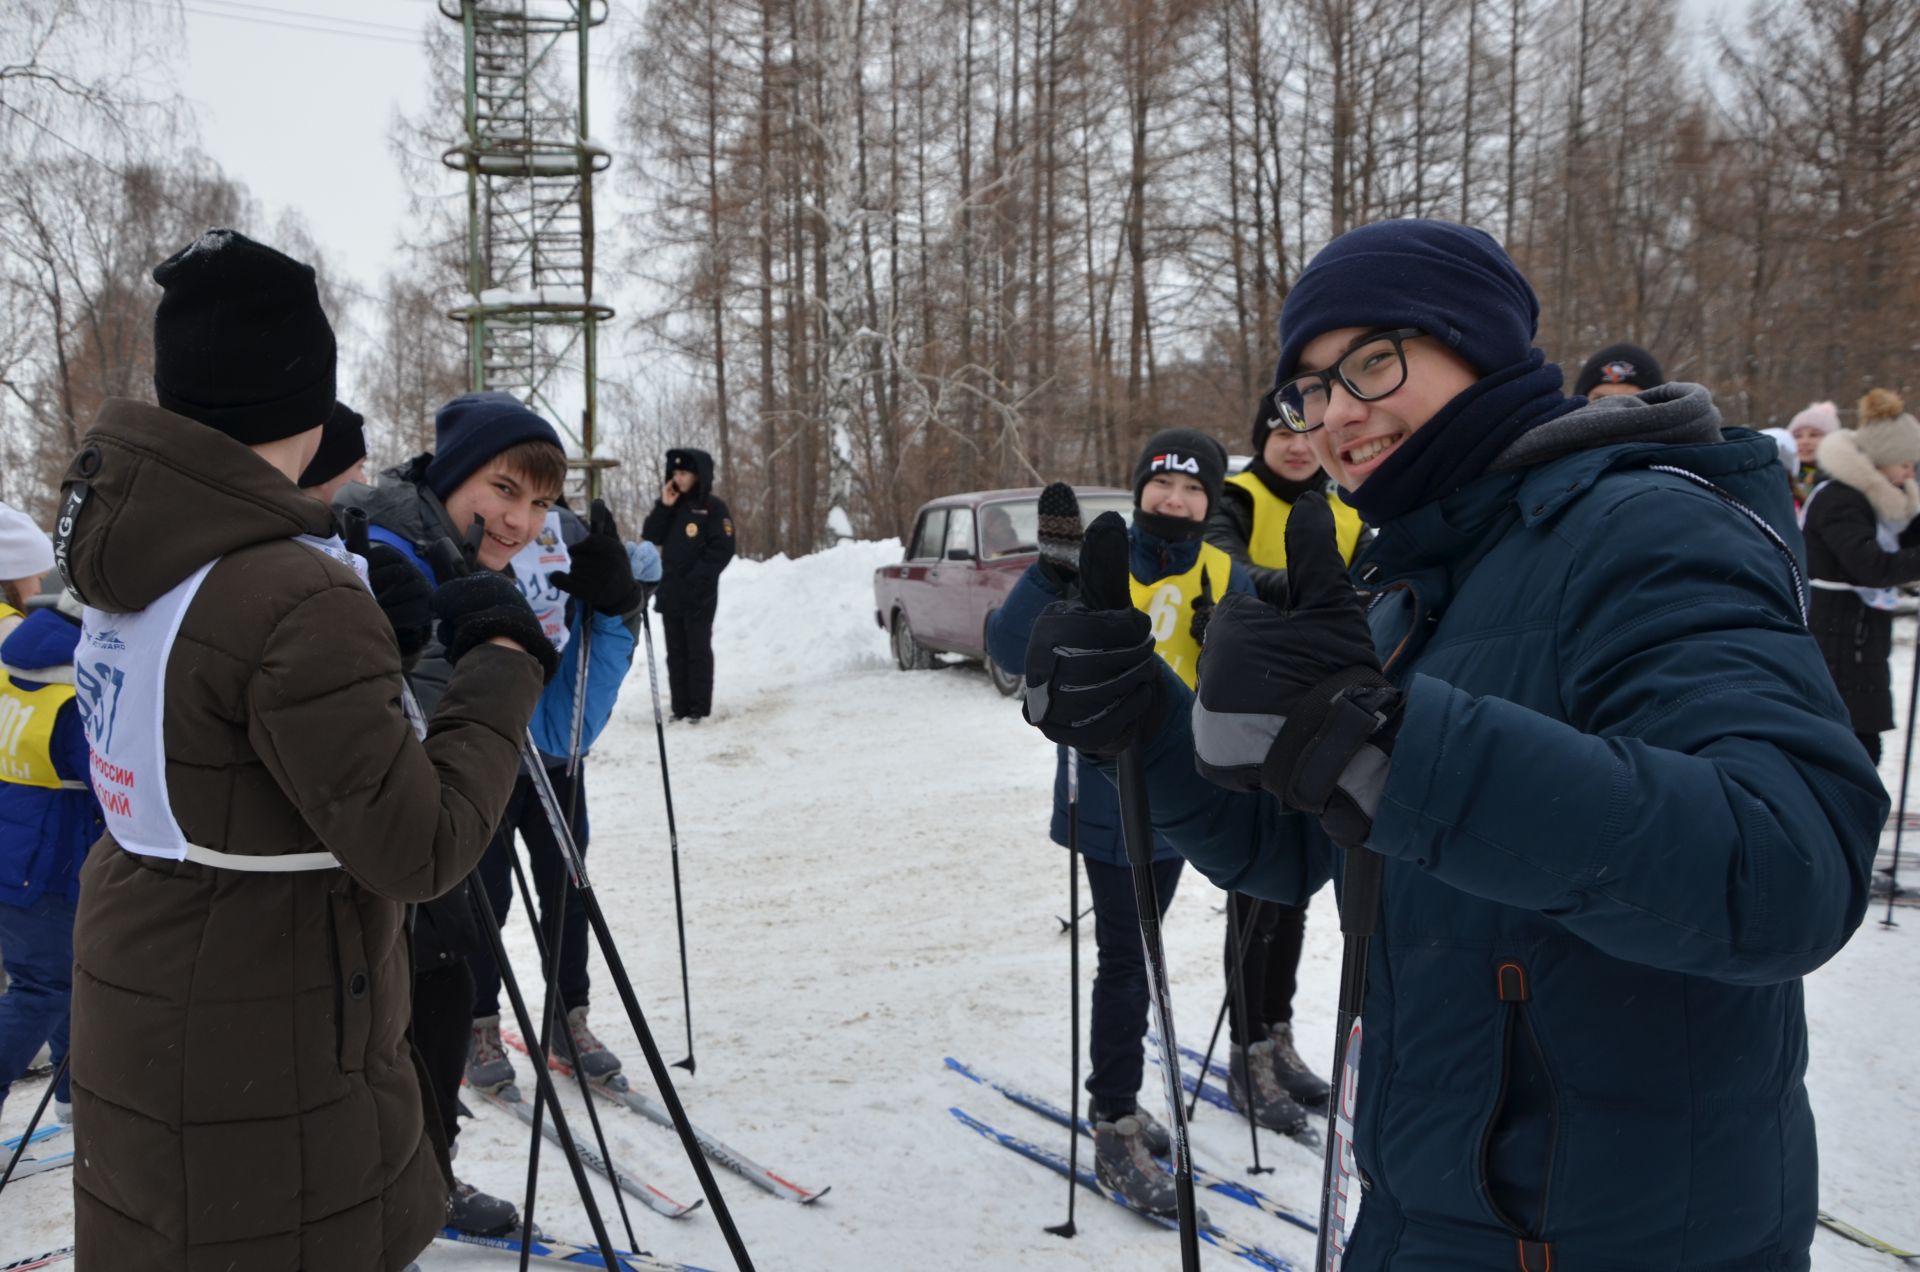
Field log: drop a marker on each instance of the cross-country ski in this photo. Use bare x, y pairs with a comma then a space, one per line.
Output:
1213, 1181
510, 1099
616, 1089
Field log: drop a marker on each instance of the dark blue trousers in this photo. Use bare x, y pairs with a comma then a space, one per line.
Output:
37, 945
1120, 998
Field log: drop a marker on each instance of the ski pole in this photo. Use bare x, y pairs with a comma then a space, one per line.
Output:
1240, 937
1073, 980
1226, 998
446, 558
550, 955
1359, 911
673, 838
1104, 584
33, 1123
1906, 767
544, 1091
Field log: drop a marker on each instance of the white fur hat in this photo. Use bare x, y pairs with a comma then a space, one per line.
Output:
25, 549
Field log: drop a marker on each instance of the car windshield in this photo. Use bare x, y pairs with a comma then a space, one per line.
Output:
1011, 527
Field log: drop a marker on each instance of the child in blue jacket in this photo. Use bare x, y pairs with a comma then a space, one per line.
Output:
1175, 579
48, 819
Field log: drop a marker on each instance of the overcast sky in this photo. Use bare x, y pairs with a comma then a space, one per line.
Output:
296, 99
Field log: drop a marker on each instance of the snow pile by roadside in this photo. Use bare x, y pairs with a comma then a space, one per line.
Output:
783, 619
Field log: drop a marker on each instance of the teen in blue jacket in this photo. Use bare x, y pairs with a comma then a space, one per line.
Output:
1176, 579
1612, 790
48, 819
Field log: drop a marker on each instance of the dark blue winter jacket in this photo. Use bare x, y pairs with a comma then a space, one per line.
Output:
45, 833
1624, 771
1007, 632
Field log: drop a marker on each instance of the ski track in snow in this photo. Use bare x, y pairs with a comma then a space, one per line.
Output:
869, 888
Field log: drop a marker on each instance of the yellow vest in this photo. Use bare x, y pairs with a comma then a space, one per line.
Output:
26, 734
1267, 545
1168, 602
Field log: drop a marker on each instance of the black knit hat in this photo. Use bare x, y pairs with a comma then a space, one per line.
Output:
342, 445
240, 342
1619, 364
1182, 450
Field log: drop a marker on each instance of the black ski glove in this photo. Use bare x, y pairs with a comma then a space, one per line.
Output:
405, 597
1060, 534
1202, 610
599, 574
1293, 700
1093, 678
475, 608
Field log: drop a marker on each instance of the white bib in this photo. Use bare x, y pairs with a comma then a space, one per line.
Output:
533, 569
120, 674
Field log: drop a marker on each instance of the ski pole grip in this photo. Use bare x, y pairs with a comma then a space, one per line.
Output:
447, 560
354, 523
1360, 892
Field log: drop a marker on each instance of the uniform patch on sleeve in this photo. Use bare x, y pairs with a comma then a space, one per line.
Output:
726, 526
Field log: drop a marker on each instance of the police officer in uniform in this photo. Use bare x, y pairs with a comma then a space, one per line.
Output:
1250, 525
693, 529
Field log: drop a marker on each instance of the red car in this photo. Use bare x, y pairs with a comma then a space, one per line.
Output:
964, 556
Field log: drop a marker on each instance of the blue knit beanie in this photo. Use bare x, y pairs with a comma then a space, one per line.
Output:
472, 429
1451, 281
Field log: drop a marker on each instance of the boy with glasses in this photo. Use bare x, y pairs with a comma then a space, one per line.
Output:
1618, 807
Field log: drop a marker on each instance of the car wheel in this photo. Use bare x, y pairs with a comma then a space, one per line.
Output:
1005, 681
908, 652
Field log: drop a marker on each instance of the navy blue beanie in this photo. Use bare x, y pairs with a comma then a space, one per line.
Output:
1450, 281
472, 429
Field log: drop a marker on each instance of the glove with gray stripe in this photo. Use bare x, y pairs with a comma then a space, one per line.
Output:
1292, 700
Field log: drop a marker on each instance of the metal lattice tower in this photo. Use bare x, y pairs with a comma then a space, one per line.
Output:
532, 320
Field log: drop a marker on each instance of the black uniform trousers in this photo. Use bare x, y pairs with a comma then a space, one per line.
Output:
495, 873
690, 661
1271, 935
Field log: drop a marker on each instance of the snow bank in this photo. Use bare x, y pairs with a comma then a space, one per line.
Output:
786, 619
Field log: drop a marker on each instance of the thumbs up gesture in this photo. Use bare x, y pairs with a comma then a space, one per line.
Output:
1292, 699
1093, 678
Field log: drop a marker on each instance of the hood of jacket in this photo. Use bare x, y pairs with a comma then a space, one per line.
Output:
700, 462
165, 496
41, 648
1545, 470
1843, 461
404, 504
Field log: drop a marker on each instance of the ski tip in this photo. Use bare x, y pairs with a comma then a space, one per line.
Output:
807, 1199
963, 1070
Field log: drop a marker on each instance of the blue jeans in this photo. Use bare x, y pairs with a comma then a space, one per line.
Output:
36, 943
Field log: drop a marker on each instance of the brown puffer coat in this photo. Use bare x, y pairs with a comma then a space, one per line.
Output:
244, 1090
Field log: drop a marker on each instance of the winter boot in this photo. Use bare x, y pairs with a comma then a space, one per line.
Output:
479, 1214
1303, 1084
1159, 1143
1273, 1108
488, 1067
596, 1061
1123, 1162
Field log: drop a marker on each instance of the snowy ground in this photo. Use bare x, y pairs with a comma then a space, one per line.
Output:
870, 888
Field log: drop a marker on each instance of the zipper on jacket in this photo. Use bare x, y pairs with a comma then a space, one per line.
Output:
1510, 982
339, 1002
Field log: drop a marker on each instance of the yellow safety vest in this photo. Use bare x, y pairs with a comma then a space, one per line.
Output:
1267, 545
26, 734
1168, 602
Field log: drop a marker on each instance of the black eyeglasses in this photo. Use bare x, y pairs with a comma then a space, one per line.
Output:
1374, 367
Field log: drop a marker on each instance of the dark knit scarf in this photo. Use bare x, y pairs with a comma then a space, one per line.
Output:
1285, 489
1463, 438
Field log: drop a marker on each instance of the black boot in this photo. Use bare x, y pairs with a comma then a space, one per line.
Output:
1307, 1088
480, 1214
1273, 1108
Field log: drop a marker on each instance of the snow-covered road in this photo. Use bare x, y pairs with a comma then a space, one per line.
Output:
870, 888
